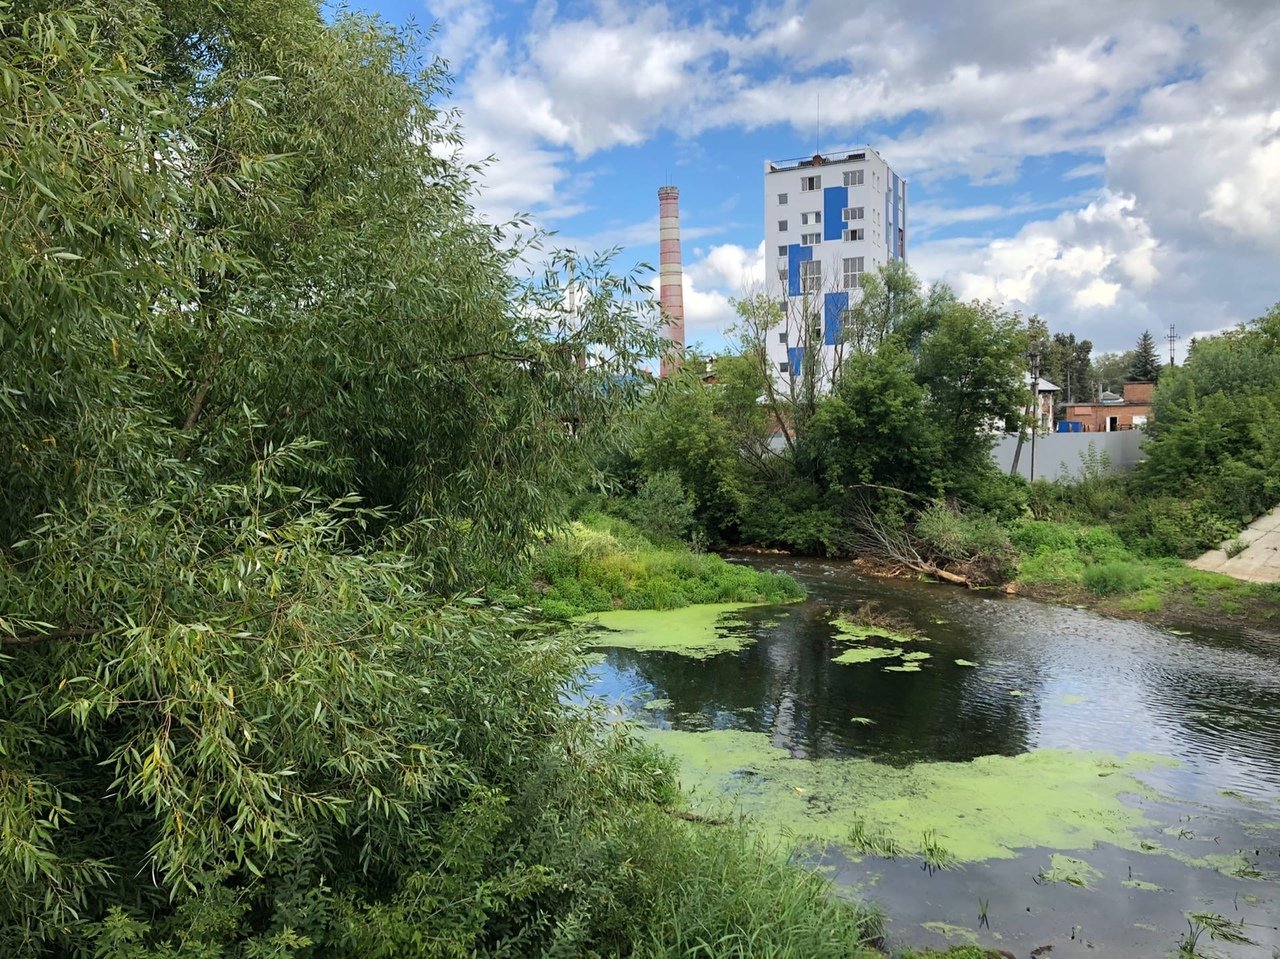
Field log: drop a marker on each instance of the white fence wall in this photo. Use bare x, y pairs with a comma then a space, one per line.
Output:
1060, 453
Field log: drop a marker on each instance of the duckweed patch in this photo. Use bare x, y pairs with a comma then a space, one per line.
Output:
697, 631
951, 933
985, 809
903, 668
964, 662
1140, 884
656, 704
865, 654
1072, 872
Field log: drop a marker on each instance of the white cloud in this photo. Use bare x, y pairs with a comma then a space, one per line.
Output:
1172, 103
1083, 270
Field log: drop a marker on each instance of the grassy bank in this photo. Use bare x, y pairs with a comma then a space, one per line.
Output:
1091, 565
600, 562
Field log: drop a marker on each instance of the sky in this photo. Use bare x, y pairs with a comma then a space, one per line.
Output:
1112, 166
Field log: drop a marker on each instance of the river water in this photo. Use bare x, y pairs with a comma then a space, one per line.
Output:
1041, 677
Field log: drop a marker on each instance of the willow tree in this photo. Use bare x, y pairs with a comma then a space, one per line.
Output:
268, 395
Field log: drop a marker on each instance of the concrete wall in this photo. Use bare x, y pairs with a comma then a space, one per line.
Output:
1059, 452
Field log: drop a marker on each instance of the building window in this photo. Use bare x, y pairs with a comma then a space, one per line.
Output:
784, 367
782, 199
858, 234
811, 276
782, 337
853, 177
807, 218
782, 226
852, 270
810, 239
810, 183
782, 250
782, 273
855, 212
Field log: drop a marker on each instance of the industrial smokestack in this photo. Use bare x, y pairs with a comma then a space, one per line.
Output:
670, 278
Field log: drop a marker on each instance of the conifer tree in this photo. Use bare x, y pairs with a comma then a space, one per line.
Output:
1146, 362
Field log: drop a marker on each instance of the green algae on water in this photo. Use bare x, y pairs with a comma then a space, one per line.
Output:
915, 655
964, 662
658, 704
1073, 872
697, 631
865, 654
984, 809
1071, 699
1139, 884
904, 668
952, 933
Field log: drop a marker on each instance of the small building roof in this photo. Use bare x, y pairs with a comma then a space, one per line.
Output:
1045, 385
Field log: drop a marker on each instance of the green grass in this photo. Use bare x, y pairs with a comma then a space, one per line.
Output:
1066, 559
601, 563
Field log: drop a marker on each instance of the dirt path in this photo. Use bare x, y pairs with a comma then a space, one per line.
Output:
1260, 560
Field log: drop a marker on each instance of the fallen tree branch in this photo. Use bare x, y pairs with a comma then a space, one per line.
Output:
694, 817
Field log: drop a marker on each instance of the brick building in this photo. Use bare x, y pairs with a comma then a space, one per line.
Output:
1112, 412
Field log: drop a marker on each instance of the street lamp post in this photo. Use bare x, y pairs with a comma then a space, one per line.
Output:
1033, 362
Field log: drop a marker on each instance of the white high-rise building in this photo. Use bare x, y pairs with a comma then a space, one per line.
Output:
828, 219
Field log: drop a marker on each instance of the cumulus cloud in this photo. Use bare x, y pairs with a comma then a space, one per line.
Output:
1085, 270
1171, 104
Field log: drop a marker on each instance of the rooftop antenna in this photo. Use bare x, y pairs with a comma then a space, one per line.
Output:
1172, 338
817, 126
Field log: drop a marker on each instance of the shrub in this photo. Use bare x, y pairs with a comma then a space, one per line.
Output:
1113, 578
1167, 526
1100, 543
1235, 548
601, 562
662, 508
1042, 536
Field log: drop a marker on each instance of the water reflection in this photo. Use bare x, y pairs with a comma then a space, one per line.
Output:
1210, 699
1045, 676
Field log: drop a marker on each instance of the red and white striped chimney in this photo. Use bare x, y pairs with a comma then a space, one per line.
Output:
670, 278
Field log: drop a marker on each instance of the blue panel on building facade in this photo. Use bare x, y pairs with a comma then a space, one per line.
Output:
795, 356
833, 307
834, 200
796, 254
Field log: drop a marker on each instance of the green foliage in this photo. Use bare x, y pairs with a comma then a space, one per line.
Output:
661, 508
685, 431
1214, 434
601, 563
272, 404
1145, 365
1113, 578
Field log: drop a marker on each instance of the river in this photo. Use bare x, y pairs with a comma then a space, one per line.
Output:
1194, 830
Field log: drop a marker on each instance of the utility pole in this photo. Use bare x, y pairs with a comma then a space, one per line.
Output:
1172, 338
1033, 358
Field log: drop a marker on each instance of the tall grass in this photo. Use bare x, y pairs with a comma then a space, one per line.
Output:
601, 563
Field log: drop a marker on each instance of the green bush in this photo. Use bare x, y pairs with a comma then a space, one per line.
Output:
602, 562
1114, 578
1042, 536
661, 509
1167, 526
1100, 543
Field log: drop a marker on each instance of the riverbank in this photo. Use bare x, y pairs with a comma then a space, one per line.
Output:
599, 563
1090, 567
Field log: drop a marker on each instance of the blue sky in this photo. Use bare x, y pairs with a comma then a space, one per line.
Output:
1111, 166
